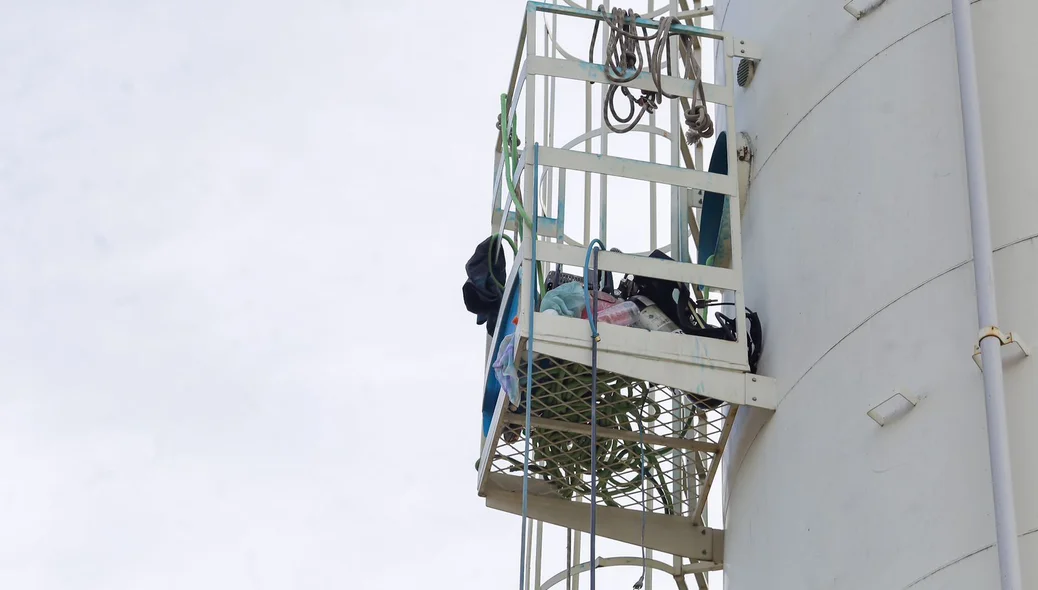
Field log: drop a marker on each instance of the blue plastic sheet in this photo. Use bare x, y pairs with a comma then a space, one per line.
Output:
505, 328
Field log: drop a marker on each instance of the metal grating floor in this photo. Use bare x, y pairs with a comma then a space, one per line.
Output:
683, 436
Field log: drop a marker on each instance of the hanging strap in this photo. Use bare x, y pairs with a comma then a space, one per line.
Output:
591, 303
532, 282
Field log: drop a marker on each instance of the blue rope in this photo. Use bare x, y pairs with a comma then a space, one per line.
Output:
592, 315
529, 369
645, 507
587, 297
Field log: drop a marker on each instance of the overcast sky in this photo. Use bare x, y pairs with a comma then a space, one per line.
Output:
233, 350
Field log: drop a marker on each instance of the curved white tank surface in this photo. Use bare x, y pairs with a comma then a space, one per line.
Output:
858, 258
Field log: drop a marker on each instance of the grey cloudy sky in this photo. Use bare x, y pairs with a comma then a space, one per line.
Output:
233, 352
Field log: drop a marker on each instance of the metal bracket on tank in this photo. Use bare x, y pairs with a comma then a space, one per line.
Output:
744, 150
1005, 339
859, 12
744, 49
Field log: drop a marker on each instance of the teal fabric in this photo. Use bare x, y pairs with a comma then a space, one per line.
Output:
567, 299
723, 249
712, 220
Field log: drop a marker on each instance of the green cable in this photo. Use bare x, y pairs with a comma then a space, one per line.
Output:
493, 258
618, 456
510, 153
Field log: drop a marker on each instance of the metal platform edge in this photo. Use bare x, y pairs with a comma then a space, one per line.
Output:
674, 535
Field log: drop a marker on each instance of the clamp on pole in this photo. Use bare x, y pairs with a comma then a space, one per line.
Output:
1004, 339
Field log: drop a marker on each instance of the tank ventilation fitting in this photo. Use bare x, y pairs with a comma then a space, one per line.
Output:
744, 75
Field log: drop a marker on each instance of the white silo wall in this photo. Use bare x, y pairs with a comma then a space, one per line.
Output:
857, 257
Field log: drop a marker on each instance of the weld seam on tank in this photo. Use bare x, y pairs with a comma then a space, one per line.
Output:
839, 84
894, 301
959, 560
736, 466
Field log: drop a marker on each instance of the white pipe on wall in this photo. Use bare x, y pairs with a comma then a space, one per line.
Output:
987, 310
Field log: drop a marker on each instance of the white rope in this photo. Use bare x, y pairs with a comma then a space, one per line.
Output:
625, 61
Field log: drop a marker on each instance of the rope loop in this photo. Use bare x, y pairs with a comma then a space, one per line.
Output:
700, 125
624, 62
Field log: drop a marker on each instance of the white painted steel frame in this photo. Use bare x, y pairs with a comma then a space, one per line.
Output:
683, 361
678, 573
673, 535
665, 358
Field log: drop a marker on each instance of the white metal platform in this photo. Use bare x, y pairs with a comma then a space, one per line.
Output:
683, 435
675, 395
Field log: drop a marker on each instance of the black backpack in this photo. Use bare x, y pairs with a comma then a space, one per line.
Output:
675, 301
